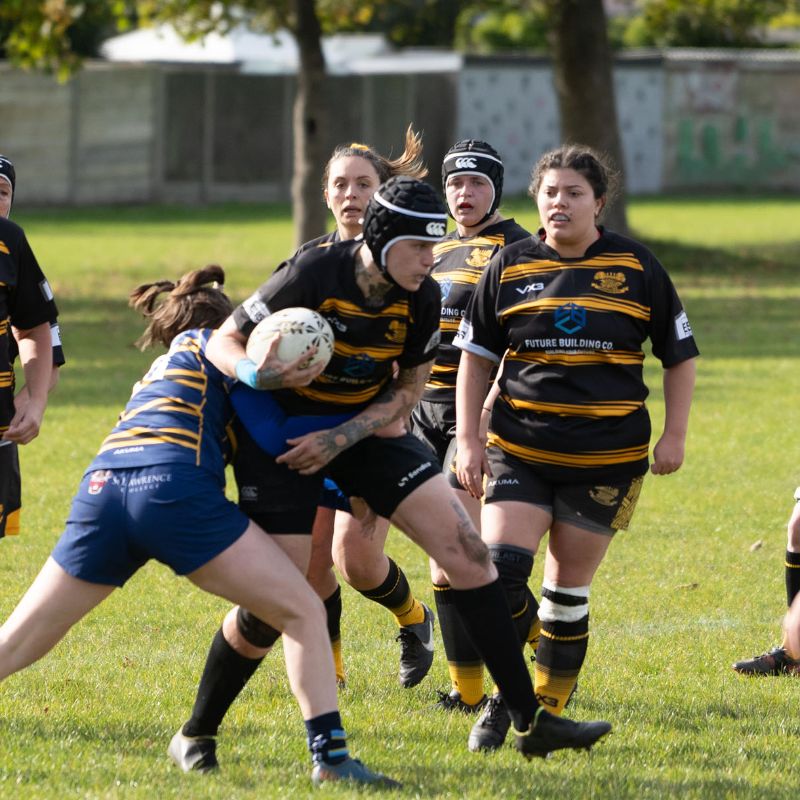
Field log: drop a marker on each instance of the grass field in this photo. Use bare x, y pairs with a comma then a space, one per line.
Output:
679, 597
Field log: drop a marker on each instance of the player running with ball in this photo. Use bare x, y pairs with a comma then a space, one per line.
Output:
384, 307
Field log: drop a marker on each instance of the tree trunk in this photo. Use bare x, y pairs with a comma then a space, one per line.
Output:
309, 126
582, 67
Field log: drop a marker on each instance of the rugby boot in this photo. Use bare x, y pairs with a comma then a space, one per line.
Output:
416, 650
774, 662
194, 753
351, 769
548, 733
452, 702
491, 728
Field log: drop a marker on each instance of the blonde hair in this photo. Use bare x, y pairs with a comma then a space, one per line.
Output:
409, 162
196, 300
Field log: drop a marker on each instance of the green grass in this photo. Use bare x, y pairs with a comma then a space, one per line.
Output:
679, 597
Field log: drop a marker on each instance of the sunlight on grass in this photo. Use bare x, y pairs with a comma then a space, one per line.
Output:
681, 595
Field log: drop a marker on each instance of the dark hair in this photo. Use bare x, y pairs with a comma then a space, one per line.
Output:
196, 300
408, 163
593, 166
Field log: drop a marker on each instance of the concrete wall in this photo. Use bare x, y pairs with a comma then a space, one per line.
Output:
91, 140
132, 133
732, 122
512, 104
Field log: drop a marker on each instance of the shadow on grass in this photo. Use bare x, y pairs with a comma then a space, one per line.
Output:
741, 321
745, 266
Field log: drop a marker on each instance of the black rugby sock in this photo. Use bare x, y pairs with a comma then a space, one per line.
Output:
326, 738
224, 676
792, 571
559, 658
395, 594
463, 660
485, 615
333, 611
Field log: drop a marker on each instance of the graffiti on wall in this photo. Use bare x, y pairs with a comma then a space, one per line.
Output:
733, 151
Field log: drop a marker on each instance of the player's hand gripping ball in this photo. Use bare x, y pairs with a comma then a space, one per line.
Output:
300, 329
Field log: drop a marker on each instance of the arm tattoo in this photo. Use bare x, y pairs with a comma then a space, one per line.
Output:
406, 388
270, 379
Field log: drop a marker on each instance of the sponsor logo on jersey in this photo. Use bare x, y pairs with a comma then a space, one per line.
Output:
360, 366
4, 248
444, 287
604, 495
570, 318
337, 323
683, 330
97, 480
479, 257
397, 331
466, 163
611, 282
255, 308
125, 451
413, 474
464, 333
530, 287
435, 228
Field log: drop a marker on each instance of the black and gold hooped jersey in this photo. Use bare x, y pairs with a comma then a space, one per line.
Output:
572, 330
321, 241
369, 339
26, 301
179, 412
458, 264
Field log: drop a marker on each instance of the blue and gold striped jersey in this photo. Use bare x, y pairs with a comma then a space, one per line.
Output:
572, 332
402, 327
179, 412
458, 265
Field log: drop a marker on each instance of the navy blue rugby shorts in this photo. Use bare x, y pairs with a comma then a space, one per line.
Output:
121, 518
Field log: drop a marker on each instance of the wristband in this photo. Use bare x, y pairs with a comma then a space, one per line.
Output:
247, 373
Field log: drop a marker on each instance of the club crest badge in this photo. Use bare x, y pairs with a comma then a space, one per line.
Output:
610, 282
479, 257
604, 495
98, 479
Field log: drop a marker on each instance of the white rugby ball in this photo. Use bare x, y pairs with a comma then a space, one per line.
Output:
300, 329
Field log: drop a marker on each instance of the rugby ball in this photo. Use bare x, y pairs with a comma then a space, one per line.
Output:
300, 329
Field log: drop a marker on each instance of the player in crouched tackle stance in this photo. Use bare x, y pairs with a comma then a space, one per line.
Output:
384, 308
156, 490
351, 176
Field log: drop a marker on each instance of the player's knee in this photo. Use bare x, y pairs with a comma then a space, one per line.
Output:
514, 565
254, 631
